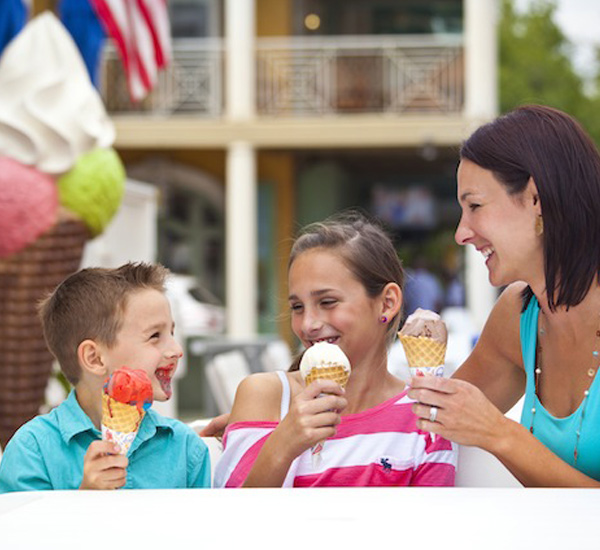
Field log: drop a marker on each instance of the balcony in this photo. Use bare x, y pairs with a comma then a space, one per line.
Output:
307, 77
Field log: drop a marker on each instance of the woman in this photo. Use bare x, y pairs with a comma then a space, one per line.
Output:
529, 189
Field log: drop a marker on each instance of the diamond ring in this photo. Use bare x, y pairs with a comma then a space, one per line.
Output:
433, 414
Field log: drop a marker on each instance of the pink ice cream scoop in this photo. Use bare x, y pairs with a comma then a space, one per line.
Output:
28, 205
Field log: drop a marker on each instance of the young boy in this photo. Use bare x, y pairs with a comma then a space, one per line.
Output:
95, 322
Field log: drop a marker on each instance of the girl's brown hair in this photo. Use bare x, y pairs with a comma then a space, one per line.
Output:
365, 248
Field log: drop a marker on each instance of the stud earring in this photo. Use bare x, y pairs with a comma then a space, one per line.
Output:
539, 226
384, 319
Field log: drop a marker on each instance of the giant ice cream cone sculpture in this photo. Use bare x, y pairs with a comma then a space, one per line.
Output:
25, 362
324, 361
424, 337
126, 397
60, 183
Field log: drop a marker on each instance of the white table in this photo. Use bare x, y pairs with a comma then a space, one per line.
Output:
324, 518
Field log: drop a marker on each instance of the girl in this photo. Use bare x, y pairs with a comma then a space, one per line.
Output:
345, 283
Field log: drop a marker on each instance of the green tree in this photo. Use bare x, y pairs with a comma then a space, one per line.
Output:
535, 65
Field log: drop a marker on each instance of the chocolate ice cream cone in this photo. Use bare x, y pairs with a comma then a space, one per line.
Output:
424, 338
424, 355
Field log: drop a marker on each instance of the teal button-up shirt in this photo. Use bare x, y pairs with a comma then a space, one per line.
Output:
47, 453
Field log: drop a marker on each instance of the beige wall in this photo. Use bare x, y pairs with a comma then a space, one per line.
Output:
273, 17
211, 161
272, 166
279, 167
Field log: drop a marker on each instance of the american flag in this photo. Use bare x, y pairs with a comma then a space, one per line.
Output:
13, 16
141, 32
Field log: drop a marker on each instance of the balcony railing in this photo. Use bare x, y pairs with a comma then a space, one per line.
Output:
191, 84
308, 76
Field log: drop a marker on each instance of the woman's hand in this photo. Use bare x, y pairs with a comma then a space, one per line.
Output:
313, 416
215, 427
464, 414
467, 417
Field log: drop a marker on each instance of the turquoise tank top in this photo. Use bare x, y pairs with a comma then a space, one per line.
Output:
559, 434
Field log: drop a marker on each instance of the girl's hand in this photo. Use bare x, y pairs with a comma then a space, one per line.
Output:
464, 414
313, 416
103, 468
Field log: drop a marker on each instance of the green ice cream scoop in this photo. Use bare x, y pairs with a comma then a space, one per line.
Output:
94, 188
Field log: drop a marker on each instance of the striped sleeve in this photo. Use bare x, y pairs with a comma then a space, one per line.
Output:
242, 443
437, 464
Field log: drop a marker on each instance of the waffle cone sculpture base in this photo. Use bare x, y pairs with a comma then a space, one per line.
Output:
25, 278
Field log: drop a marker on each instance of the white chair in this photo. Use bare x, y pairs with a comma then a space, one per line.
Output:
215, 447
224, 372
478, 468
276, 356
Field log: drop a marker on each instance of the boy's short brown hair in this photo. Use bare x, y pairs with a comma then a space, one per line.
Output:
89, 305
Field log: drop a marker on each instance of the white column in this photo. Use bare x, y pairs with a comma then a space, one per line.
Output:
481, 59
240, 59
241, 257
481, 105
240, 241
480, 294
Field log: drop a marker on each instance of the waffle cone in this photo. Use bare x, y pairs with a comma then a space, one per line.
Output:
25, 278
337, 373
120, 416
423, 352
120, 422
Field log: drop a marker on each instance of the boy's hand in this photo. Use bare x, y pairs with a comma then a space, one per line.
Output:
103, 468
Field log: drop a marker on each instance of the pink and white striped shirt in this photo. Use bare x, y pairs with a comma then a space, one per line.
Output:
379, 447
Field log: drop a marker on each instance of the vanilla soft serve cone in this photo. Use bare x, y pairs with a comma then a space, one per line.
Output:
424, 337
324, 361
